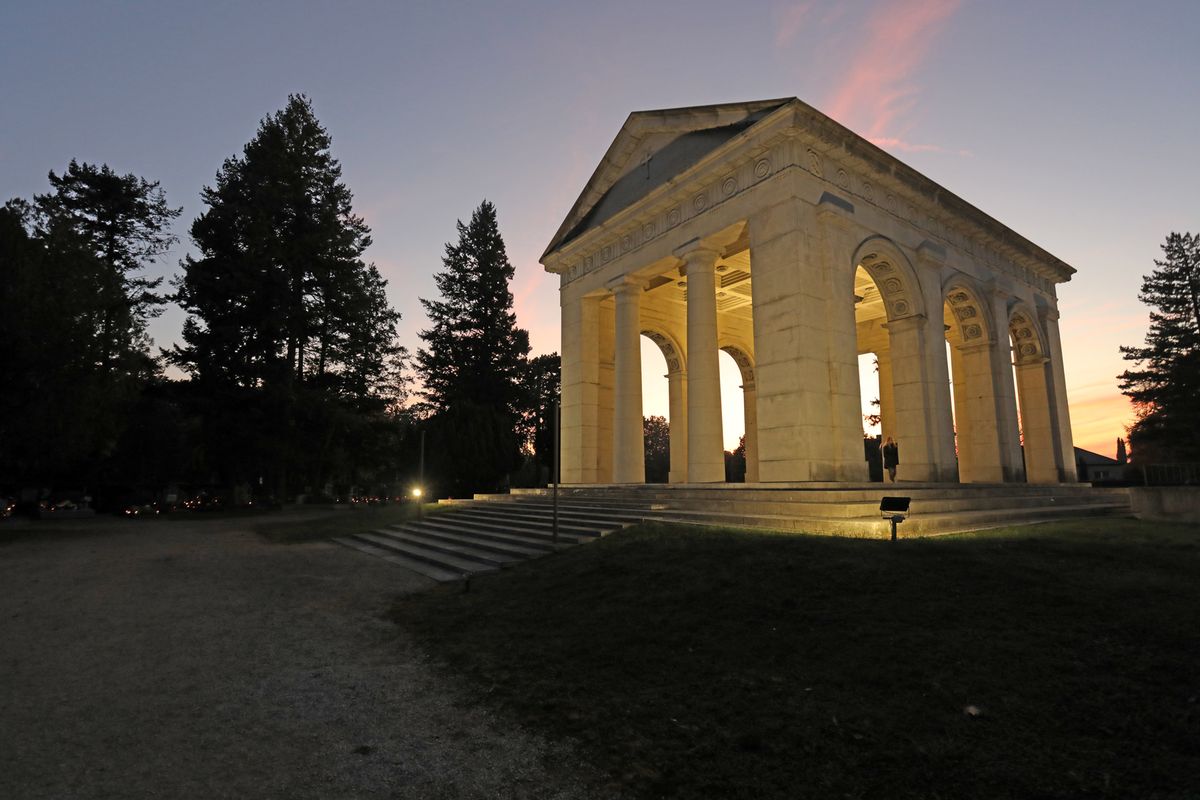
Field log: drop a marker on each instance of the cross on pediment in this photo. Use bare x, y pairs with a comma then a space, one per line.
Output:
646, 163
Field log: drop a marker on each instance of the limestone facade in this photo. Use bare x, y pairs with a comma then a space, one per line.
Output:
771, 232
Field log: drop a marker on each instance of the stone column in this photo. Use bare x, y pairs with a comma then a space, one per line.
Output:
1037, 404
1007, 427
580, 385
798, 425
629, 456
677, 397
750, 404
887, 399
914, 388
605, 399
1061, 411
706, 453
940, 419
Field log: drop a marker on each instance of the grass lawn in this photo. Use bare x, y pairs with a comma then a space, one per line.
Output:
344, 521
1059, 660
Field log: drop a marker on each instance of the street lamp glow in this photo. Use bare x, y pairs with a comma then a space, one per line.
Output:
416, 492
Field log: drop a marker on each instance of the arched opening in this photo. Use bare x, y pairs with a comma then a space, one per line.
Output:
664, 408
969, 357
1034, 397
740, 414
913, 392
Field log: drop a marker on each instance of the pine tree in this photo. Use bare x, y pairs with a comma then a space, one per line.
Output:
290, 335
125, 221
474, 351
1165, 383
73, 312
475, 356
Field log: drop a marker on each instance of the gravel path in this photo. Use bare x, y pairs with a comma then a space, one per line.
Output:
194, 660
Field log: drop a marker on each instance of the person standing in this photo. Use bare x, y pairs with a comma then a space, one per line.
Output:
891, 457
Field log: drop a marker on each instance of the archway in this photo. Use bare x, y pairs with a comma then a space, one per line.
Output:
745, 366
984, 414
891, 324
1034, 395
676, 401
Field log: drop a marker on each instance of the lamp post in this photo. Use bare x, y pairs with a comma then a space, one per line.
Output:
420, 490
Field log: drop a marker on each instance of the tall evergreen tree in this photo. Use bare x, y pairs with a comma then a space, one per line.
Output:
289, 334
474, 360
73, 311
1164, 384
125, 221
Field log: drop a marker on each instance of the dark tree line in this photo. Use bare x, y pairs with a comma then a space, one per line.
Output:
295, 380
74, 354
1164, 381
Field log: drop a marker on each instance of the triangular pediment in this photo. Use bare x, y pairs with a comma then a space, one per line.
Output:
651, 149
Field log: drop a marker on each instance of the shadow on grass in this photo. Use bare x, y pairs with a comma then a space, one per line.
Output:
1059, 660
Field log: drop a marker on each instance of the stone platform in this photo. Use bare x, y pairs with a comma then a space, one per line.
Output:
495, 531
842, 509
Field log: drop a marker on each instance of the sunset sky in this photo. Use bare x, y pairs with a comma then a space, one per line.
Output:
1074, 123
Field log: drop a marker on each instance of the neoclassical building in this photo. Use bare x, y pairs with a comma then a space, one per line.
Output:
771, 232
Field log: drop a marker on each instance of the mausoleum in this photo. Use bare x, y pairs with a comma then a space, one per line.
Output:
771, 232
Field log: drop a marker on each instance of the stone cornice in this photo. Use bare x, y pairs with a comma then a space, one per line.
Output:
832, 154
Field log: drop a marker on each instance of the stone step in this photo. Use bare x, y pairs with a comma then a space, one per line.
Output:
924, 506
875, 526
446, 561
581, 522
532, 529
465, 536
424, 568
458, 547
865, 494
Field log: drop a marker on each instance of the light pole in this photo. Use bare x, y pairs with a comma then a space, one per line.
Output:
420, 490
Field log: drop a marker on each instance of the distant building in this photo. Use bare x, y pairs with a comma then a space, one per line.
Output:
1093, 467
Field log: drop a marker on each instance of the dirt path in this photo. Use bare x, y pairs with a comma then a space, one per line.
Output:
193, 660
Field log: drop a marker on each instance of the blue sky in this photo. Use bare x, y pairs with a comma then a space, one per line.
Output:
1072, 122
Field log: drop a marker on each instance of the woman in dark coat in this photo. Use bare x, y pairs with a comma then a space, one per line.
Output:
891, 457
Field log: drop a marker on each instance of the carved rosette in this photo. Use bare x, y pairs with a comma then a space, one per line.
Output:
892, 288
1026, 338
670, 352
968, 311
745, 365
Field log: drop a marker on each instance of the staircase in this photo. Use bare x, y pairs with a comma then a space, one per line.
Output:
474, 538
495, 531
843, 509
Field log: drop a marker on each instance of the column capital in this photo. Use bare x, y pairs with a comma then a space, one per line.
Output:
625, 284
697, 254
1038, 361
974, 348
914, 322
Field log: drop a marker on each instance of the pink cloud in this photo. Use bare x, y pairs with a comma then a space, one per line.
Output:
879, 93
